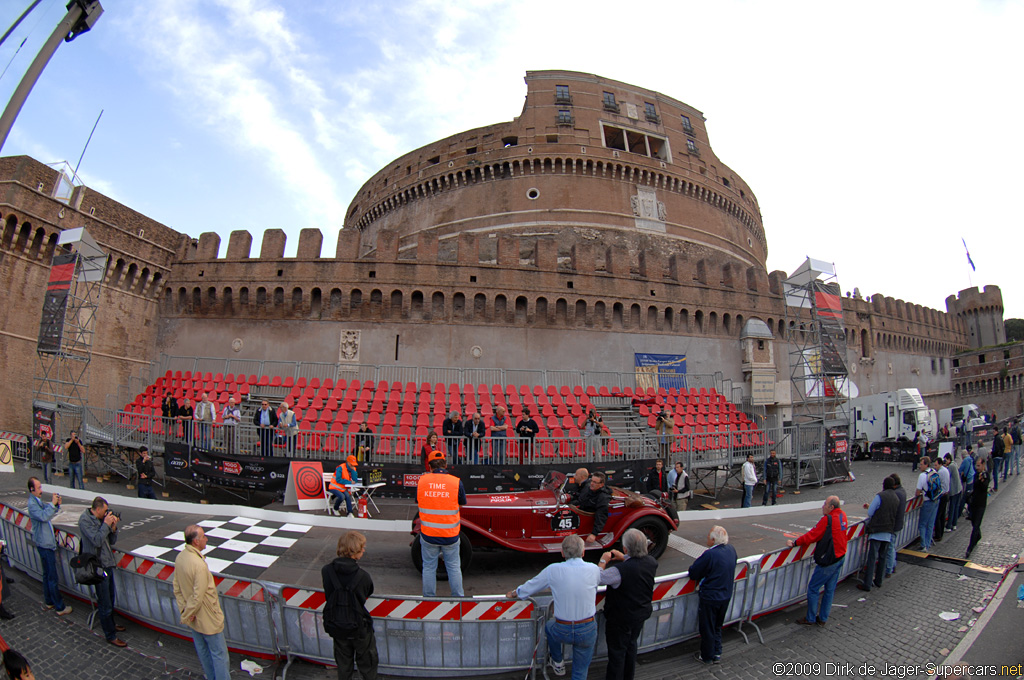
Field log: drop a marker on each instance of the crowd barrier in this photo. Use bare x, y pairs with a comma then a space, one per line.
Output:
432, 637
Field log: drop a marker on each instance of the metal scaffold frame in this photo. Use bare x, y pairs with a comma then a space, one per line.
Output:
62, 373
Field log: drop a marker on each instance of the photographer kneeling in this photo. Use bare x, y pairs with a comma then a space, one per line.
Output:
98, 528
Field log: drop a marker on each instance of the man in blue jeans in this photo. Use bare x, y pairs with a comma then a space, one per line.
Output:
439, 496
74, 448
42, 535
573, 585
98, 529
930, 508
829, 535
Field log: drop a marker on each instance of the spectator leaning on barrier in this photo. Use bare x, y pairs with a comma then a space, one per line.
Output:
364, 441
830, 536
627, 604
901, 514
290, 424
265, 420
46, 545
144, 467
205, 415
199, 605
749, 481
452, 431
715, 573
475, 431
439, 495
573, 584
429, 445
772, 472
880, 527
98, 529
354, 645
499, 429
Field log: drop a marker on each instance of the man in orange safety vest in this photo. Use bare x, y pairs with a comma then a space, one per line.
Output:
439, 496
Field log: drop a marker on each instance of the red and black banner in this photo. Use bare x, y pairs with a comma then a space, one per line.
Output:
828, 311
51, 326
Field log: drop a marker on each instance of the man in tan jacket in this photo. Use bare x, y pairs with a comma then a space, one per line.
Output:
199, 605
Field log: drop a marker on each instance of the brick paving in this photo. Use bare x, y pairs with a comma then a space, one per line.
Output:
904, 630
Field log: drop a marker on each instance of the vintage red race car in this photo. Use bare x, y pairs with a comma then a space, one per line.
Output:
537, 521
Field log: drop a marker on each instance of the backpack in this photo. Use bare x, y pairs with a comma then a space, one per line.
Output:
343, 614
934, 486
825, 550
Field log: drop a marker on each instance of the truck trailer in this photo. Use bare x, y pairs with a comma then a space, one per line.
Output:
887, 418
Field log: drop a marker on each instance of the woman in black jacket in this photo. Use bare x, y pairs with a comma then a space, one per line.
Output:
356, 648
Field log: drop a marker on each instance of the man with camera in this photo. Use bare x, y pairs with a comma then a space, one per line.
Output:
663, 425
592, 430
75, 449
98, 529
42, 535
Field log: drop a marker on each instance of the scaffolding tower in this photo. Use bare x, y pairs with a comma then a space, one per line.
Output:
818, 370
68, 323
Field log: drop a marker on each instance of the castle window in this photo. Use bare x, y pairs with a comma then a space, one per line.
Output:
614, 138
552, 139
471, 150
981, 358
562, 95
956, 363
725, 181
610, 103
434, 160
564, 117
692, 147
635, 142
651, 113
687, 127
509, 141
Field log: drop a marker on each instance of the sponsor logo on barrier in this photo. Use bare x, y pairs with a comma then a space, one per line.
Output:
232, 468
410, 480
177, 463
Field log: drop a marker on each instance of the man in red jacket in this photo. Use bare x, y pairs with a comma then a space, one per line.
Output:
829, 553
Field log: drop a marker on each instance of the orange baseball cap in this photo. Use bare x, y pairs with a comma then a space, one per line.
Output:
435, 455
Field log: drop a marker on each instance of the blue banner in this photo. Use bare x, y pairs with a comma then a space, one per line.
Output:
660, 370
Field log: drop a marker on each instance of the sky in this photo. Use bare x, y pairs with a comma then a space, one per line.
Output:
876, 135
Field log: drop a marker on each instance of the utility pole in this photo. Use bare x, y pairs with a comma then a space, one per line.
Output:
81, 16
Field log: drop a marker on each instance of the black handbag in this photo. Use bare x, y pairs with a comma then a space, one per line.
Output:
87, 568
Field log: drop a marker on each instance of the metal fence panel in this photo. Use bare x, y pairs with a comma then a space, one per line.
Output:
525, 376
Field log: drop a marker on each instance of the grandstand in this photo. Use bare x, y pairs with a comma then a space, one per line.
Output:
708, 430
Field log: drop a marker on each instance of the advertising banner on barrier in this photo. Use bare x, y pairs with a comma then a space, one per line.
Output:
176, 461
305, 485
247, 472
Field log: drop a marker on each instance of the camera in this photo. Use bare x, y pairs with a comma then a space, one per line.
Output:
115, 513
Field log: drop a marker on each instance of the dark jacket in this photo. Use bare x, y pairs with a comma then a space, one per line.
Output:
145, 467
884, 519
256, 418
632, 599
714, 571
169, 408
347, 571
597, 503
451, 428
527, 427
772, 469
470, 428
998, 448
901, 512
97, 538
979, 495
657, 481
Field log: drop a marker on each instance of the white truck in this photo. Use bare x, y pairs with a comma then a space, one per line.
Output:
886, 418
964, 414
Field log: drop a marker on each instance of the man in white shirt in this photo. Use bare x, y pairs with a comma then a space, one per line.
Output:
205, 415
231, 416
749, 481
573, 585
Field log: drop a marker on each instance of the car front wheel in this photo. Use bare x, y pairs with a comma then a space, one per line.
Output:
656, 532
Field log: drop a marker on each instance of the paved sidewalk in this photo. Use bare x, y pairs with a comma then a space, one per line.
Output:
897, 625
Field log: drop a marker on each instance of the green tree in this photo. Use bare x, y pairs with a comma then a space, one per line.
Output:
1014, 330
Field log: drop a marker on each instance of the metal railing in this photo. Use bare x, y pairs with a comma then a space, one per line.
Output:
428, 374
455, 637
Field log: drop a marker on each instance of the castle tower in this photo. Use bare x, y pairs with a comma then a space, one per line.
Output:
981, 313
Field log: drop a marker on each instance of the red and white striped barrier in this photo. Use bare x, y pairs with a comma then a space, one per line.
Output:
13, 436
421, 610
228, 587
